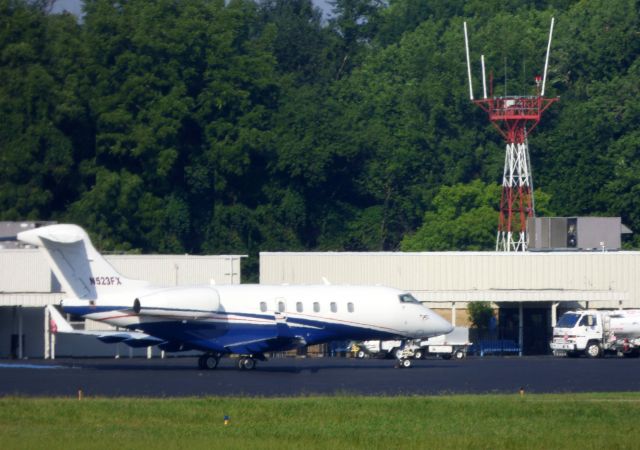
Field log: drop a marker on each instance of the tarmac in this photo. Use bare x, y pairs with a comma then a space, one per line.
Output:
286, 377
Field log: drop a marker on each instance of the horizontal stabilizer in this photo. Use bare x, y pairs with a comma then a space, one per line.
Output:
57, 323
113, 338
144, 340
133, 339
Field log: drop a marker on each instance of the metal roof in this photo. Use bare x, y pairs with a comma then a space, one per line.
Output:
522, 295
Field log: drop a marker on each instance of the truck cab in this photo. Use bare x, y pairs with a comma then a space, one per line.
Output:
577, 332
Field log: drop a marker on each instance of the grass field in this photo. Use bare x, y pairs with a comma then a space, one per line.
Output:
580, 421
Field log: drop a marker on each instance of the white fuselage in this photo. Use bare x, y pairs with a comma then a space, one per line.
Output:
310, 314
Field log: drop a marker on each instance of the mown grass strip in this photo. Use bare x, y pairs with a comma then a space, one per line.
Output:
581, 421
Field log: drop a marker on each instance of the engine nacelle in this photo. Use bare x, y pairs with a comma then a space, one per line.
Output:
187, 302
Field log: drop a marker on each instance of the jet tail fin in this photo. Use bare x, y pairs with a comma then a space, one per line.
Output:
81, 270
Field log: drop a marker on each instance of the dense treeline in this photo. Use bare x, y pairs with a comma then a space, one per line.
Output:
206, 126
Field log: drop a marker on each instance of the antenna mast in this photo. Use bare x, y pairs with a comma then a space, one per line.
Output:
515, 117
466, 46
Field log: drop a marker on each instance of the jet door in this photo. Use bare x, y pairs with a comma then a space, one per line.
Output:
280, 315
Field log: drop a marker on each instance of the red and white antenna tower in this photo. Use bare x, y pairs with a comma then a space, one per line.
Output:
515, 117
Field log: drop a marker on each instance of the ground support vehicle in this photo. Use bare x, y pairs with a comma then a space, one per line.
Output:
595, 332
446, 346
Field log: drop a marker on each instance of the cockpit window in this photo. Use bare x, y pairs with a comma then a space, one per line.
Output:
408, 298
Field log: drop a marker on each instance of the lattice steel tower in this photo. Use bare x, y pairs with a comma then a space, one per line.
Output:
515, 117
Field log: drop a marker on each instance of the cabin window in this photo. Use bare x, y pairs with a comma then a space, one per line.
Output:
299, 307
316, 307
408, 298
281, 307
263, 306
350, 307
334, 307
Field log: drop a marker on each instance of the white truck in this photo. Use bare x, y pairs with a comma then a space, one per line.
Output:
595, 333
453, 344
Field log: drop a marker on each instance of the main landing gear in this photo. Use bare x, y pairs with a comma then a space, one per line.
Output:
209, 361
246, 363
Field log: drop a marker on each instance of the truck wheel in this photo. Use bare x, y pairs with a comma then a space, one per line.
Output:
593, 350
406, 363
418, 354
459, 354
361, 354
397, 353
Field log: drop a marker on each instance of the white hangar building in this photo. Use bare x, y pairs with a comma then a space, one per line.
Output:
530, 290
27, 285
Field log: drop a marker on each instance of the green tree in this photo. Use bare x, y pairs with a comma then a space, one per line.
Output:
480, 314
463, 217
43, 114
182, 98
243, 126
303, 47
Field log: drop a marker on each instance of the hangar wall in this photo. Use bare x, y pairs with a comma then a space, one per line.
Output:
26, 270
421, 273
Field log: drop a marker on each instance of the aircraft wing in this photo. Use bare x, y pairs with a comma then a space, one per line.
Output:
132, 338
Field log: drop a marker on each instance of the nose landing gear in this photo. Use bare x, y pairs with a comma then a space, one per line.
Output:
404, 361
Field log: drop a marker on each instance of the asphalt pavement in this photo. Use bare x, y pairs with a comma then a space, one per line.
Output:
179, 377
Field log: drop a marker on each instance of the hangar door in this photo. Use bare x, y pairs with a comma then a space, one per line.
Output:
537, 329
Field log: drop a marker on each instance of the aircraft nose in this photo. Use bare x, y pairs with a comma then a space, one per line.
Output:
444, 326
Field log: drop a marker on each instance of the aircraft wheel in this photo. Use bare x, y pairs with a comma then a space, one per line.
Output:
249, 364
246, 363
208, 362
